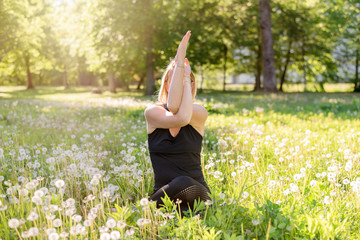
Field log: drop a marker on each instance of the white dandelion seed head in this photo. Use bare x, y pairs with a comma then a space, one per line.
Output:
76, 218
120, 224
105, 236
33, 232
59, 183
222, 195
144, 202
32, 216
255, 222
313, 183
36, 200
111, 223
327, 200
53, 236
14, 223
245, 195
57, 223
87, 223
115, 235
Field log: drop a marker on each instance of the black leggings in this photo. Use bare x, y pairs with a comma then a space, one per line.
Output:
183, 188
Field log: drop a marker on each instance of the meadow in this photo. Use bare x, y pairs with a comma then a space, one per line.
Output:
75, 165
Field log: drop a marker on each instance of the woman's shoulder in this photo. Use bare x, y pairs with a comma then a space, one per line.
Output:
154, 108
199, 107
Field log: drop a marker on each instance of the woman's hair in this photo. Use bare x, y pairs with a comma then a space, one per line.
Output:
163, 93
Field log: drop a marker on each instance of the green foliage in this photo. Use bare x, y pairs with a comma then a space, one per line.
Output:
85, 40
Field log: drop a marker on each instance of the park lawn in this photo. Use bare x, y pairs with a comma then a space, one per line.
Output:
280, 166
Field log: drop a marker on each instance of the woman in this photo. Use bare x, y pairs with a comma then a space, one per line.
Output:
175, 130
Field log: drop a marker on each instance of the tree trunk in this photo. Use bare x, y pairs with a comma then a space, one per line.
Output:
40, 78
258, 67
150, 81
357, 81
202, 79
304, 63
112, 87
225, 60
267, 47
142, 78
66, 84
28, 72
283, 74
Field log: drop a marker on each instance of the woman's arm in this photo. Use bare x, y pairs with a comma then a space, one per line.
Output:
158, 117
175, 94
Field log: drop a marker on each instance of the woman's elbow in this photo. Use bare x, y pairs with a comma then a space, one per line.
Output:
185, 119
173, 109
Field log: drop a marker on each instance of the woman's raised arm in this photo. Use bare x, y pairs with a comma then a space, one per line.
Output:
176, 85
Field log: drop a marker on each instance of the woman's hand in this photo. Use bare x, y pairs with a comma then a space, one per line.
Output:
187, 71
181, 51
187, 68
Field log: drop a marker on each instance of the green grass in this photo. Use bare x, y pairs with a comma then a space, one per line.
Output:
280, 166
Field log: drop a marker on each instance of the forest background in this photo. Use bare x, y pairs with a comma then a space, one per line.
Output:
127, 43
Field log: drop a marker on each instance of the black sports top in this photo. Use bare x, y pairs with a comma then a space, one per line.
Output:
175, 156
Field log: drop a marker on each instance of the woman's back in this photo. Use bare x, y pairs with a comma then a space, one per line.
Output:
175, 156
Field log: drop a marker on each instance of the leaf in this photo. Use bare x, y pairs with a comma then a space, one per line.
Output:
282, 225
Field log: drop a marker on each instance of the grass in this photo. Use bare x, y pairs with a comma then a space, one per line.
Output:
280, 166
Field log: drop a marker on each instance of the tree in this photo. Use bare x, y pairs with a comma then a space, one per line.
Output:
267, 47
23, 47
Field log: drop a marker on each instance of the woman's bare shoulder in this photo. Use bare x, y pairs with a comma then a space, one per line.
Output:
199, 107
154, 109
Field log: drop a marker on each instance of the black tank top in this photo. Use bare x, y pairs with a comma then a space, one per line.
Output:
175, 156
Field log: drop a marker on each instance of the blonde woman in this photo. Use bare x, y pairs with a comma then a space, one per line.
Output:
175, 130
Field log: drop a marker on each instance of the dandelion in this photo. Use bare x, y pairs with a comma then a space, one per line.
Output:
14, 223
245, 195
272, 183
129, 232
115, 235
30, 185
120, 224
327, 200
286, 192
222, 195
57, 222
77, 218
294, 187
59, 183
297, 177
39, 193
346, 181
142, 221
105, 236
37, 200
53, 208
50, 216
54, 236
111, 223
25, 234
50, 231
144, 202
255, 222
64, 235
87, 223
313, 183
33, 231
33, 216
94, 181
